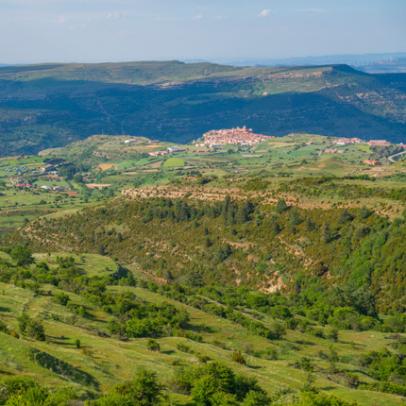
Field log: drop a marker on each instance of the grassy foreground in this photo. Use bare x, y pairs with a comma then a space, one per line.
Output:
282, 366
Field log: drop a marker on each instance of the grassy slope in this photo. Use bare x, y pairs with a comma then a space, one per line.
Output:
109, 360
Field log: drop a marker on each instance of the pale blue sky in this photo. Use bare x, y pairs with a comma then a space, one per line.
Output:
119, 30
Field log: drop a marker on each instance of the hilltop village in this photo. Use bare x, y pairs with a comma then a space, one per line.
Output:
234, 136
55, 172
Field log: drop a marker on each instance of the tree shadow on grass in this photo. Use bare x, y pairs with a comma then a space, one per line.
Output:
168, 352
200, 328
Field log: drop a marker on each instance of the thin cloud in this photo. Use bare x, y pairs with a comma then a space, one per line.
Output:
265, 13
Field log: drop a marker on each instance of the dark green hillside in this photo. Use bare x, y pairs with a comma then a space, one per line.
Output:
267, 248
44, 106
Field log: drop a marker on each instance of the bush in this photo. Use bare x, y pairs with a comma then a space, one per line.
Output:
276, 331
254, 398
144, 390
153, 345
3, 327
62, 298
214, 383
14, 386
395, 323
331, 334
345, 318
31, 328
33, 396
281, 206
238, 357
184, 348
22, 255
314, 399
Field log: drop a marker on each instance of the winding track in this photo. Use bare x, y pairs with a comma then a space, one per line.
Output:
392, 157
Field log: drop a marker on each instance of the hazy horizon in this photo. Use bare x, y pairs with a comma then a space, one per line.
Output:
231, 60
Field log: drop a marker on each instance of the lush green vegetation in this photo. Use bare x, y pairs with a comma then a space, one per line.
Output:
270, 275
61, 313
283, 248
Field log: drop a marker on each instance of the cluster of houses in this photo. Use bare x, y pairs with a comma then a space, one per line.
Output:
347, 141
333, 151
350, 141
48, 188
45, 188
379, 143
169, 150
233, 136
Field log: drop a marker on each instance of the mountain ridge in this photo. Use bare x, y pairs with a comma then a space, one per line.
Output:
57, 104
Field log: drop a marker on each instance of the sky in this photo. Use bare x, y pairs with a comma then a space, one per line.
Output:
33, 31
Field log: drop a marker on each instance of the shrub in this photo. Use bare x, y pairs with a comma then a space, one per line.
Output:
255, 398
31, 328
238, 357
345, 318
331, 334
281, 206
62, 298
22, 255
395, 323
314, 399
14, 386
214, 382
3, 327
153, 345
276, 331
184, 348
143, 390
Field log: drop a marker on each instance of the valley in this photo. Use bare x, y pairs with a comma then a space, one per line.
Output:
279, 263
52, 105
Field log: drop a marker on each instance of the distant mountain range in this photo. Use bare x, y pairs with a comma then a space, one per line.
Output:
371, 63
51, 105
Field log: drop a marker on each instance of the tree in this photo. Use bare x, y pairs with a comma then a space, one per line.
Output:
245, 211
22, 255
326, 234
255, 398
281, 206
345, 217
204, 389
144, 390
31, 328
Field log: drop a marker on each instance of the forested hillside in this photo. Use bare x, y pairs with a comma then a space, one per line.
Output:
51, 105
243, 243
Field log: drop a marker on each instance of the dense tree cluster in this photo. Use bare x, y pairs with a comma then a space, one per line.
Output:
310, 250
